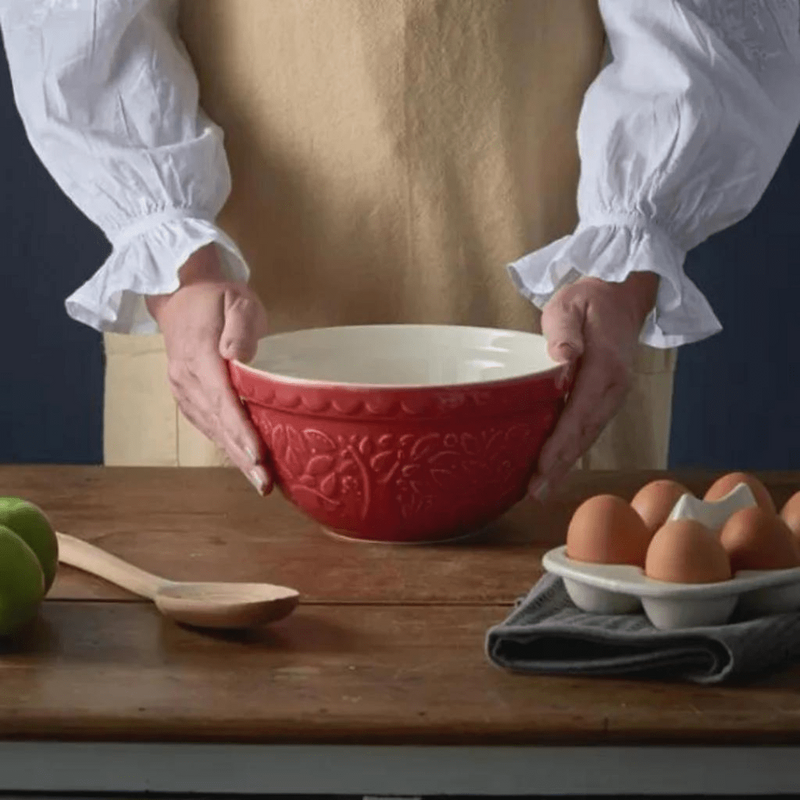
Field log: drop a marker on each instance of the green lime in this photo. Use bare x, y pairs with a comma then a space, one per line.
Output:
29, 521
21, 582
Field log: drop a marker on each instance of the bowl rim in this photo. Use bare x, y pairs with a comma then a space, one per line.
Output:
400, 387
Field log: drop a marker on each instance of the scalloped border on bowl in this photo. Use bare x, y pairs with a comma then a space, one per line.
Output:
497, 398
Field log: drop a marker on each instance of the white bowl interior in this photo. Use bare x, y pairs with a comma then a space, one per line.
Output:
402, 355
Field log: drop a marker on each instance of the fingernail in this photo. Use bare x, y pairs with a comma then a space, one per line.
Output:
258, 480
540, 490
251, 454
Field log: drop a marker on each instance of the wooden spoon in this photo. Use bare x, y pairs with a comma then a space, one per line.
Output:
203, 605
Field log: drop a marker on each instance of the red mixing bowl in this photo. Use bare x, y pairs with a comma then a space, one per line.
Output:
402, 433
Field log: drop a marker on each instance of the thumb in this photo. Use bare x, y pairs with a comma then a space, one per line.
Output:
245, 323
562, 326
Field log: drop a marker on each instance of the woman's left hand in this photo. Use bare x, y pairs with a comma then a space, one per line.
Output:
594, 326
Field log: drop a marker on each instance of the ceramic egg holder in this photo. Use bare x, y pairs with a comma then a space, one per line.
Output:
625, 589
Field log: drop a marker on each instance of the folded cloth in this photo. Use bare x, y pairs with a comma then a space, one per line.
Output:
547, 634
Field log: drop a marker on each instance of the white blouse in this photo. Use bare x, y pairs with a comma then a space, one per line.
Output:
679, 136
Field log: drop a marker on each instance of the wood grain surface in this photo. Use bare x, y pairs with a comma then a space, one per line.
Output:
209, 524
387, 645
360, 674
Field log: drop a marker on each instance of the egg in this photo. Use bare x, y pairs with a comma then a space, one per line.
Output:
757, 539
655, 501
729, 482
790, 514
684, 551
606, 530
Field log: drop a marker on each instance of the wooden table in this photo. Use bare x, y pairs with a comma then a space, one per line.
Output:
377, 684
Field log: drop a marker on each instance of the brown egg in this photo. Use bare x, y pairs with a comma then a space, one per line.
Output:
684, 551
728, 482
655, 501
756, 539
790, 514
606, 530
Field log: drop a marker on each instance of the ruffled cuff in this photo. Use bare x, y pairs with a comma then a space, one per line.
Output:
145, 261
611, 249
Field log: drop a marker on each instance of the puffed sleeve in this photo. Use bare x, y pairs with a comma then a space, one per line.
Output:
109, 100
679, 136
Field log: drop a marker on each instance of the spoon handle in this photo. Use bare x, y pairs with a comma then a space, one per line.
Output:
85, 556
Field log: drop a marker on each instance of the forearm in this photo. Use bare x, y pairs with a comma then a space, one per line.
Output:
110, 103
678, 137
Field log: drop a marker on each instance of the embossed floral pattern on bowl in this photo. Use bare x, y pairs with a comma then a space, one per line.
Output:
400, 456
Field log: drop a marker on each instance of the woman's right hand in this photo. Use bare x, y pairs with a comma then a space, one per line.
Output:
593, 326
207, 321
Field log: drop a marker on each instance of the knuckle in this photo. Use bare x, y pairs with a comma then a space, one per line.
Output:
205, 423
618, 377
225, 415
197, 420
235, 443
181, 398
180, 393
192, 415
581, 434
243, 299
589, 430
240, 300
214, 398
557, 307
564, 459
177, 372
251, 311
235, 341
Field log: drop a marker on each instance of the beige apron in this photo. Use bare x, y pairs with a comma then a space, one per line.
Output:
389, 158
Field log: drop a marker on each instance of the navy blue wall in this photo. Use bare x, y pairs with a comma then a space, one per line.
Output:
737, 394
51, 389
736, 398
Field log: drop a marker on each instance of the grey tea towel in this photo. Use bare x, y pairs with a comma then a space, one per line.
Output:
547, 634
